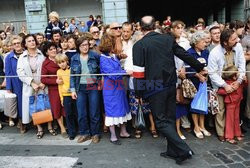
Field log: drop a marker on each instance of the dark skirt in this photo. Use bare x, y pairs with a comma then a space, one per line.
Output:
181, 110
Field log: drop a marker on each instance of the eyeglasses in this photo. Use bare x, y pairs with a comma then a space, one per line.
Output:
116, 28
95, 32
84, 45
17, 43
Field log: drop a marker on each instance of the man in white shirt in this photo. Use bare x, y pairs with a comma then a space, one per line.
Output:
219, 59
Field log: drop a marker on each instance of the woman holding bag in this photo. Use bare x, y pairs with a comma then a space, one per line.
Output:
50, 67
199, 51
29, 67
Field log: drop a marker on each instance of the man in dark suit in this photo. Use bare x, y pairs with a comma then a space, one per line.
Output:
155, 78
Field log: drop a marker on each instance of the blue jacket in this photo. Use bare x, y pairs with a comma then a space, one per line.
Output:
76, 68
204, 57
13, 84
114, 97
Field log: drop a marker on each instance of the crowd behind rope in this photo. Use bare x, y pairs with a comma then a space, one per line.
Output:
77, 47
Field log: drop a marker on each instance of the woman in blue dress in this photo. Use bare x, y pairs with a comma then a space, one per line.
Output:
115, 100
199, 51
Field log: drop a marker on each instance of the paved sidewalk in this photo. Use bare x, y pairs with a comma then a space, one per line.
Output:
18, 151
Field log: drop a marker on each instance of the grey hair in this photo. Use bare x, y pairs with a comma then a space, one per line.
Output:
197, 36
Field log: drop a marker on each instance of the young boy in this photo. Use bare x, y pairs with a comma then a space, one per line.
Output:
65, 95
232, 103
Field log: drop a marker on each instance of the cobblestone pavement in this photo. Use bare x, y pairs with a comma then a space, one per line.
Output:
18, 151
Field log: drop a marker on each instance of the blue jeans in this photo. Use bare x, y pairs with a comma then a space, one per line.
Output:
70, 111
88, 106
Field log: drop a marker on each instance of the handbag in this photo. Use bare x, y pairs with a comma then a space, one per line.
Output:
200, 101
180, 99
42, 117
213, 102
10, 105
139, 119
39, 109
188, 89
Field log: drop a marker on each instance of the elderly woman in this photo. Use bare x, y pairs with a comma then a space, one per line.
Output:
84, 91
14, 85
29, 68
198, 51
50, 67
115, 99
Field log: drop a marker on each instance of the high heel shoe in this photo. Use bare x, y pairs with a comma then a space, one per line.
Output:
198, 135
205, 132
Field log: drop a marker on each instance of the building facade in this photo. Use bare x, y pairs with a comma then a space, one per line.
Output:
33, 14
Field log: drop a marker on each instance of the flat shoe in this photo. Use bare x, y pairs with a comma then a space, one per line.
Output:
116, 142
205, 132
64, 135
231, 141
125, 136
11, 123
183, 137
154, 134
198, 135
239, 138
1, 126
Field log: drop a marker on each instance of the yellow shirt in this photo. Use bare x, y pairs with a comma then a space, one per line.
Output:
64, 89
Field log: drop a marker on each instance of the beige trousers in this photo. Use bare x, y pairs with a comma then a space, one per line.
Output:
220, 117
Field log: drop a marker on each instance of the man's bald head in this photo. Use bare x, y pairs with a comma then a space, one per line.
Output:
147, 23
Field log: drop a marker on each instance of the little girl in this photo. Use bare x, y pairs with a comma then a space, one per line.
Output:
232, 102
65, 95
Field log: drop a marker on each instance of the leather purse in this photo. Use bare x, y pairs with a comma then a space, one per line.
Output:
188, 89
180, 99
42, 117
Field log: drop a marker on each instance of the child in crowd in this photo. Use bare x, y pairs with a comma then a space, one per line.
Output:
54, 24
65, 95
232, 103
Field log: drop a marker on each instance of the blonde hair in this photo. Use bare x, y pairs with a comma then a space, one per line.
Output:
61, 58
54, 14
15, 37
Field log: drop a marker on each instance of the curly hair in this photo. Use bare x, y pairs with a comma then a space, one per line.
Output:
107, 43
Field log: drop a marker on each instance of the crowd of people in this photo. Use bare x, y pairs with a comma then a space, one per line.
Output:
92, 104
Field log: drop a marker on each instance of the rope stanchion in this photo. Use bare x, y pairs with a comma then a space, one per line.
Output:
115, 74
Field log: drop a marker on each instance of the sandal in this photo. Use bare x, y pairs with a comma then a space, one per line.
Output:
154, 134
231, 141
52, 132
137, 134
40, 134
239, 138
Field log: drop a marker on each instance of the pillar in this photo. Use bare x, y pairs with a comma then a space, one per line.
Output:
36, 15
114, 11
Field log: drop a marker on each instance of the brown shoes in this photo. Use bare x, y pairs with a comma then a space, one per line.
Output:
82, 139
95, 139
221, 138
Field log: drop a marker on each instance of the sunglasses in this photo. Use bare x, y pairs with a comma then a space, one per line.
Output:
95, 32
116, 28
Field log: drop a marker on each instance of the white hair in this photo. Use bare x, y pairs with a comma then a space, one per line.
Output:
197, 36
